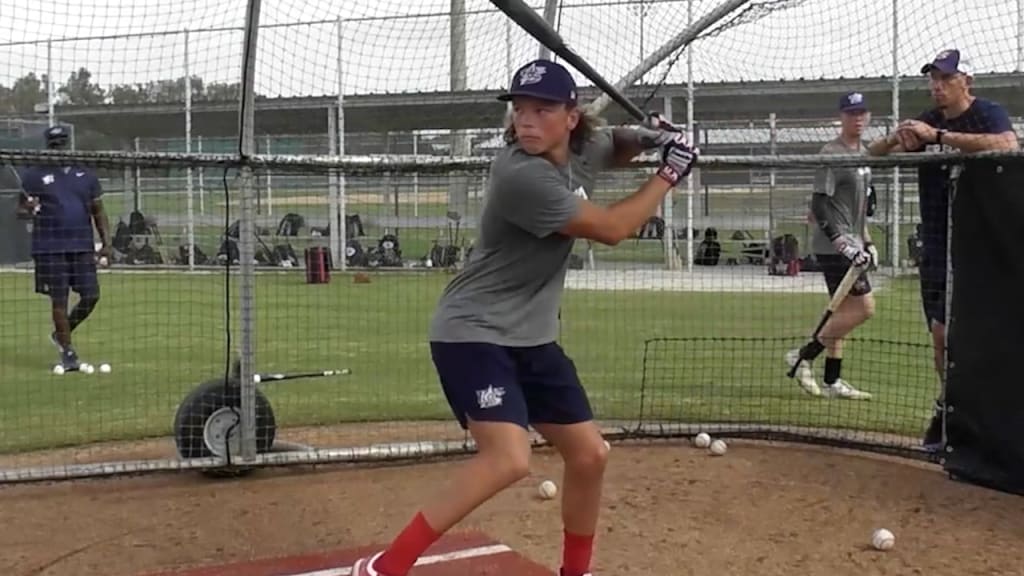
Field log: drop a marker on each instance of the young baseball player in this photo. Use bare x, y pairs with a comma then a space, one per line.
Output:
841, 240
65, 202
959, 121
493, 335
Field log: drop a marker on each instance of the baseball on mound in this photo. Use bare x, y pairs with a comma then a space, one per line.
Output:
882, 539
702, 440
718, 447
548, 489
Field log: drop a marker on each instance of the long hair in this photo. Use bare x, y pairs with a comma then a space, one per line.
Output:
583, 132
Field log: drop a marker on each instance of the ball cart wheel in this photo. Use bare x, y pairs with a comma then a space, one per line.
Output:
208, 420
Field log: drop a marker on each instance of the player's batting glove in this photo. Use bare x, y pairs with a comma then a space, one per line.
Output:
869, 247
677, 159
852, 249
657, 121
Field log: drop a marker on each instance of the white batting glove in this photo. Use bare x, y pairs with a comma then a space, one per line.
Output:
850, 247
873, 253
677, 158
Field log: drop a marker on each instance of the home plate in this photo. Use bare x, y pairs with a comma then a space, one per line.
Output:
456, 554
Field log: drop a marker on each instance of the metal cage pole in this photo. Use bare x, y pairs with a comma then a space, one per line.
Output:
49, 83
896, 200
188, 170
341, 215
247, 233
689, 128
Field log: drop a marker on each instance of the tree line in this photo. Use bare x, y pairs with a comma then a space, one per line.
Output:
79, 89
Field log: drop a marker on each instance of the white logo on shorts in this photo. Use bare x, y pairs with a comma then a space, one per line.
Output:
489, 397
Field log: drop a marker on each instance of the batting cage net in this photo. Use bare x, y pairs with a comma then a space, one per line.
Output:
291, 185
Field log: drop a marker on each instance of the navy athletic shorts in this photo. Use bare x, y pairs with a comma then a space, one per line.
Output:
522, 385
57, 273
834, 267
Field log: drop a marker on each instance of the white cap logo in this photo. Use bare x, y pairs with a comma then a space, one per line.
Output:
531, 74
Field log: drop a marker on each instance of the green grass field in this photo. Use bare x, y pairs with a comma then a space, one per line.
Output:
165, 332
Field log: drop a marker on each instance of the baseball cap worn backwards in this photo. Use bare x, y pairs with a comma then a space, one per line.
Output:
543, 79
949, 62
853, 102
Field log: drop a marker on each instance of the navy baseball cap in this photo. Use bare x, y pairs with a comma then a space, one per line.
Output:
543, 79
56, 135
949, 62
853, 102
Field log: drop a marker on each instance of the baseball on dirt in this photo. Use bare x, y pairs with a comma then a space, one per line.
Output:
718, 447
548, 489
702, 440
883, 539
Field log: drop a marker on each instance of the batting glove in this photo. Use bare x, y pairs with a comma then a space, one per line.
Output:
850, 247
677, 159
869, 247
657, 121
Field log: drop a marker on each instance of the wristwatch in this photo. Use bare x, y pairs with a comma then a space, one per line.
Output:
938, 136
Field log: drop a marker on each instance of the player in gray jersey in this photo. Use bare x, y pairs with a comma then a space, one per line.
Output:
841, 239
493, 334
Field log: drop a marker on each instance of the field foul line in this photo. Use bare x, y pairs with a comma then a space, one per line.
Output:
426, 560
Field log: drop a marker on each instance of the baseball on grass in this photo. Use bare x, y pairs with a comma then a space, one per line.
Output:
702, 440
256, 378
58, 370
548, 489
87, 368
882, 539
105, 368
718, 447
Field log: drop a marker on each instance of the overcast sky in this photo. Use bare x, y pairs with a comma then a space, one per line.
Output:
388, 46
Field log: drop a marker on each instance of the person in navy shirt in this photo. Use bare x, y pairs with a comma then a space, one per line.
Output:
65, 202
961, 122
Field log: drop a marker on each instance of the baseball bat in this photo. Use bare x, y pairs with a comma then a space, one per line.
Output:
535, 26
277, 376
852, 273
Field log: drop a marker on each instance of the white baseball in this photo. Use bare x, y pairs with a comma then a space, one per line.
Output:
548, 489
256, 378
882, 539
105, 368
104, 262
702, 440
718, 447
58, 370
86, 368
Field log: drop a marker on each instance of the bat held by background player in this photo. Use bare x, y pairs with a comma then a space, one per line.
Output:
849, 279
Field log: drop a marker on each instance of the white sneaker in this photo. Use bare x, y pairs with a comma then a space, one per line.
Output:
842, 389
804, 375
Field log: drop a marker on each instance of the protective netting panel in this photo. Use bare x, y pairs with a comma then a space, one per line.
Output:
118, 73
658, 342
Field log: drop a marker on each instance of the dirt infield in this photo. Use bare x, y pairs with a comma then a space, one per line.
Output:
669, 509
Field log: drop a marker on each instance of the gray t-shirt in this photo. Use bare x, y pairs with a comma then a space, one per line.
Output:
846, 192
510, 290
